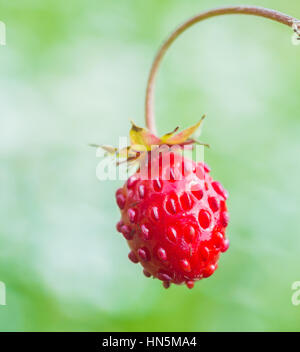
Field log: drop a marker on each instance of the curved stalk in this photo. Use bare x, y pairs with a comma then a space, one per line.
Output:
244, 10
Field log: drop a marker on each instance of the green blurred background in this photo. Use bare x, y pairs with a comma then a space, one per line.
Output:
74, 72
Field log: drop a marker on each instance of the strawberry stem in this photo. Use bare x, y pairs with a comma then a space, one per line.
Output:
245, 10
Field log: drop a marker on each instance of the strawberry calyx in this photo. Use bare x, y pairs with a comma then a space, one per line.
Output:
143, 140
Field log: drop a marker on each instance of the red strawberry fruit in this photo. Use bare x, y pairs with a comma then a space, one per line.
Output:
174, 222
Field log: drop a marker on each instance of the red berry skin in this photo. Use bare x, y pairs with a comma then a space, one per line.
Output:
176, 227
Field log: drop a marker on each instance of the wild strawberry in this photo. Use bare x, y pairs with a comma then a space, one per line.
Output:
173, 214
174, 226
